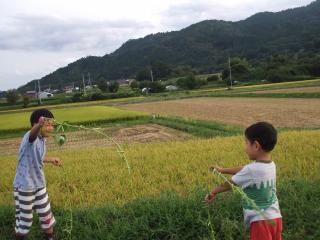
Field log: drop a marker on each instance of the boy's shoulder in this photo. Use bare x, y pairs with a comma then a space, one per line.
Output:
25, 139
259, 166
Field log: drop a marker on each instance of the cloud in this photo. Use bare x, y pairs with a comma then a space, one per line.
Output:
57, 34
185, 13
33, 45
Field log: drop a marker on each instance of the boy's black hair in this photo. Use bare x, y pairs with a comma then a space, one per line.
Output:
40, 113
264, 133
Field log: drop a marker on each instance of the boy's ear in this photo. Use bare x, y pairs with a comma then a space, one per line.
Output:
257, 145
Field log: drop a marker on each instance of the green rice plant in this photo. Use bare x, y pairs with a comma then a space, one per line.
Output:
76, 115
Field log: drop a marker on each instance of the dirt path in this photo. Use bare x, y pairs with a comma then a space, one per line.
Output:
313, 89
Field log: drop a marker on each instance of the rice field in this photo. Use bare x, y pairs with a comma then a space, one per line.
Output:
96, 176
20, 120
94, 196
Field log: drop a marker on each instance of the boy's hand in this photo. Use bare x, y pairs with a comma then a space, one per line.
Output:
210, 198
217, 168
56, 161
41, 121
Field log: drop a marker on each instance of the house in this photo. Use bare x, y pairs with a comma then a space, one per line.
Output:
146, 90
2, 94
68, 88
171, 88
31, 94
43, 95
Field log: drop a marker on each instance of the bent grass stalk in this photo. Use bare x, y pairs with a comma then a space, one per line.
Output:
61, 138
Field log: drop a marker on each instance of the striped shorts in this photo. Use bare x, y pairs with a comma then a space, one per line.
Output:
26, 202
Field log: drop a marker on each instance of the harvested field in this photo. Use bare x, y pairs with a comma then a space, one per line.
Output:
286, 112
82, 139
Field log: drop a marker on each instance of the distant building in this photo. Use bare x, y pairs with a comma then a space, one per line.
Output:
48, 90
124, 81
43, 95
68, 88
146, 90
171, 88
55, 91
31, 94
2, 94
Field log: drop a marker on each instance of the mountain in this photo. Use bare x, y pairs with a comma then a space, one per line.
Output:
204, 46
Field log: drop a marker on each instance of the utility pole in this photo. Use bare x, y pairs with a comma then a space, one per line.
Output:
230, 72
35, 89
151, 75
84, 85
39, 92
89, 80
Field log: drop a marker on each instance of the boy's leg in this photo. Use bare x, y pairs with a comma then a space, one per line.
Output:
43, 208
278, 233
24, 205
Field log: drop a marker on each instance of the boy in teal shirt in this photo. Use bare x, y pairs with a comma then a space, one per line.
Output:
258, 181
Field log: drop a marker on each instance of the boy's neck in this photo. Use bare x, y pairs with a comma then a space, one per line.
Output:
263, 157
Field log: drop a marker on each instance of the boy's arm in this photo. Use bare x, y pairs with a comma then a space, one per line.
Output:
219, 189
232, 171
54, 160
34, 132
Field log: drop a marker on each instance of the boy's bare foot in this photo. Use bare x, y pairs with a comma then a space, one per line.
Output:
20, 237
49, 236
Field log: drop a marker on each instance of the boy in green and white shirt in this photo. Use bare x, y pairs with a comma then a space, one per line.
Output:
258, 181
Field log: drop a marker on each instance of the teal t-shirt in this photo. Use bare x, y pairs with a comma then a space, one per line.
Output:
258, 181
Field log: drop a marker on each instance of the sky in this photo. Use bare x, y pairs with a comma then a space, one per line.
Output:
39, 36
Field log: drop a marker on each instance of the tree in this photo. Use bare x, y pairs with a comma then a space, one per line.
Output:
103, 85
134, 84
26, 101
190, 82
213, 78
183, 70
160, 70
113, 86
12, 96
144, 75
156, 87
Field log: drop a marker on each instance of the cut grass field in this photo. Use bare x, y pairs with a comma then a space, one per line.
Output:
162, 198
289, 113
252, 90
20, 120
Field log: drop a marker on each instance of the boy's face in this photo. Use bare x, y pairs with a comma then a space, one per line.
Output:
252, 149
47, 128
